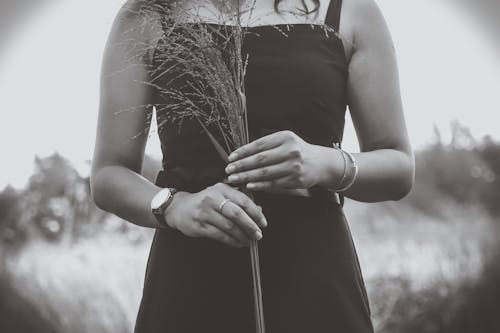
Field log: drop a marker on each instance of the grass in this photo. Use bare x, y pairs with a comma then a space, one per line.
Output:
92, 286
419, 269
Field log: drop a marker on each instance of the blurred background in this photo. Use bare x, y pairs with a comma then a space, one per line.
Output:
430, 261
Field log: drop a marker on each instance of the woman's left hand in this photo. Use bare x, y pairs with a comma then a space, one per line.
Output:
278, 160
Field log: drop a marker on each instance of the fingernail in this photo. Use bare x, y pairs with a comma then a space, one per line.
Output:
229, 168
251, 185
232, 156
233, 178
263, 222
258, 235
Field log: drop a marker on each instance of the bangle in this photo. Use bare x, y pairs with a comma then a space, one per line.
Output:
350, 173
344, 175
353, 173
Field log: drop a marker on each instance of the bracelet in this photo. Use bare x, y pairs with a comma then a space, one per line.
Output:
353, 174
350, 173
344, 175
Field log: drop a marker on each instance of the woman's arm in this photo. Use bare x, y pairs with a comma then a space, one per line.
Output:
116, 183
115, 179
386, 161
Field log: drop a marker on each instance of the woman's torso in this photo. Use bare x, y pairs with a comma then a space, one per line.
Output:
296, 79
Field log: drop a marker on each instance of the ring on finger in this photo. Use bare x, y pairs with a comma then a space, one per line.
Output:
223, 203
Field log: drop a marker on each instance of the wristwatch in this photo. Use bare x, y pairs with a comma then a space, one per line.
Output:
160, 202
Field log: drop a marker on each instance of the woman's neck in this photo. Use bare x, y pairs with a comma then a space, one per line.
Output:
251, 12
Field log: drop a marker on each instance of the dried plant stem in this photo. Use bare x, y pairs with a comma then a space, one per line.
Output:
254, 246
257, 286
218, 147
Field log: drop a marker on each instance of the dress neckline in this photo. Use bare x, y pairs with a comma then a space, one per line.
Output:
280, 29
261, 26
330, 21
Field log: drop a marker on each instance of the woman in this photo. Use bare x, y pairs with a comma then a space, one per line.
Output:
198, 277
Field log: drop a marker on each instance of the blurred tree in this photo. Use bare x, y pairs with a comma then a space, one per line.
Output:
490, 153
462, 170
461, 136
10, 213
58, 200
57, 204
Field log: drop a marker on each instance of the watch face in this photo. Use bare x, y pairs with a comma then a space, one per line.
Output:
160, 198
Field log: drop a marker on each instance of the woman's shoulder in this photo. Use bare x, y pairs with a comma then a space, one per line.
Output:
137, 28
136, 9
362, 24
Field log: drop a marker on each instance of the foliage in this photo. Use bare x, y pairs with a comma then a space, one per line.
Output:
429, 274
471, 307
463, 170
55, 205
10, 229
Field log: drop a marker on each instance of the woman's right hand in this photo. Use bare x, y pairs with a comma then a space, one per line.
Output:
197, 215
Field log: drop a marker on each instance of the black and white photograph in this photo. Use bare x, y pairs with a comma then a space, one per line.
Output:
249, 166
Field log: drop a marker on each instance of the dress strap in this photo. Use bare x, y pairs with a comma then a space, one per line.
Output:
333, 14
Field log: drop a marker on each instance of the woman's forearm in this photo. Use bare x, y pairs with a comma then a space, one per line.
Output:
125, 193
383, 174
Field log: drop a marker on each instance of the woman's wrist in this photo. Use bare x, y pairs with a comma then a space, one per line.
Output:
331, 166
169, 214
350, 171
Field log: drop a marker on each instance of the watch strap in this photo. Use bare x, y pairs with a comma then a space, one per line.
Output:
159, 212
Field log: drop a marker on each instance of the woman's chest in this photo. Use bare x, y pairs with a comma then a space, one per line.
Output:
293, 59
296, 82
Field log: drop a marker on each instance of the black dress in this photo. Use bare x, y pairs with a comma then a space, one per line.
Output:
311, 279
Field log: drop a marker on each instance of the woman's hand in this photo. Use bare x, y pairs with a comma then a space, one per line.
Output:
198, 215
278, 160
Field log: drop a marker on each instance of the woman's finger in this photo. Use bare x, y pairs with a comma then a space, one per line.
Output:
263, 143
248, 205
237, 215
261, 159
210, 231
221, 222
265, 173
274, 184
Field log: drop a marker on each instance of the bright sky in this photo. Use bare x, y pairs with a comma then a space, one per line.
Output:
49, 79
